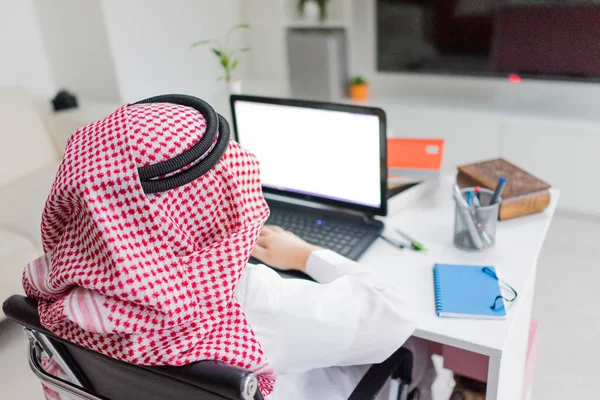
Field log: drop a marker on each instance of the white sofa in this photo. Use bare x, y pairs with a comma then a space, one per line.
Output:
32, 140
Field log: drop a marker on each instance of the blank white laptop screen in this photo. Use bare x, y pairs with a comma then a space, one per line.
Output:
329, 154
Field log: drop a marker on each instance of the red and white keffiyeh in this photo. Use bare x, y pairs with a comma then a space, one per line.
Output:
149, 278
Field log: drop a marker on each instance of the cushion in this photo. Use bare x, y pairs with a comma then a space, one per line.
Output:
22, 202
26, 145
15, 252
62, 124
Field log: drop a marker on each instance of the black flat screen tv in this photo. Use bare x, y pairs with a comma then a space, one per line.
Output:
548, 39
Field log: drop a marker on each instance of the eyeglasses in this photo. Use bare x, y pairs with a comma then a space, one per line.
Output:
496, 306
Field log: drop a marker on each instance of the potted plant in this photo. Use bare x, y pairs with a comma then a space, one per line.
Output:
359, 88
228, 58
313, 10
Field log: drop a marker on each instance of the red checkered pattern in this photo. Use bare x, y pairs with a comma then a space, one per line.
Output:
149, 279
52, 367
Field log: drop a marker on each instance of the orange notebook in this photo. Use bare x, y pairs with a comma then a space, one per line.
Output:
412, 161
415, 154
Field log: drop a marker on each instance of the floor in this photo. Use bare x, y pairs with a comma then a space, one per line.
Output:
566, 304
16, 380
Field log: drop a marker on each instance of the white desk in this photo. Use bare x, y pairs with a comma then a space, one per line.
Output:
515, 257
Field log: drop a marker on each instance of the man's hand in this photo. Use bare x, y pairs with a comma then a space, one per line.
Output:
282, 249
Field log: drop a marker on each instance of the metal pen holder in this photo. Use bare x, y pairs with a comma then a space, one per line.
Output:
475, 227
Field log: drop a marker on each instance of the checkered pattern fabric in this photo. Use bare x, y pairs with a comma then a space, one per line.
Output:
149, 278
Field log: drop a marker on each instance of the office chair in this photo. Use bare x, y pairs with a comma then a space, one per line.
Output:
98, 377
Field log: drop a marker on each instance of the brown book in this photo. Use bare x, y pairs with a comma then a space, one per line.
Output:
523, 194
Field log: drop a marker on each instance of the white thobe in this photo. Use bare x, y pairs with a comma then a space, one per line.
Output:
321, 337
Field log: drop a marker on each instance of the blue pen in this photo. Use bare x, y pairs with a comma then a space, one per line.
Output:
469, 198
498, 192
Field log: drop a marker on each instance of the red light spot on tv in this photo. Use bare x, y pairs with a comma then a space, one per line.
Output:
513, 78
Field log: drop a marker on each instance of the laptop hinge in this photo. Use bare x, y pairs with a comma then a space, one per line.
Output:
368, 218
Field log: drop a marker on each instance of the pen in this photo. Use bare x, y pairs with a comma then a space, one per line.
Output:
467, 218
484, 235
487, 241
477, 197
498, 192
478, 225
413, 243
469, 198
399, 245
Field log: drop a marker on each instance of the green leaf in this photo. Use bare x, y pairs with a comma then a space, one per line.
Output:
234, 64
241, 26
244, 50
225, 61
358, 80
218, 52
200, 43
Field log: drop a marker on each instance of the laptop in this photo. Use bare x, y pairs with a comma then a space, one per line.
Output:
323, 167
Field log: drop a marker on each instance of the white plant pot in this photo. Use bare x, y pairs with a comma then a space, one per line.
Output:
311, 11
235, 86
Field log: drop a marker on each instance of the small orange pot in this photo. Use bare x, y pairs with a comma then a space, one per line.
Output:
359, 92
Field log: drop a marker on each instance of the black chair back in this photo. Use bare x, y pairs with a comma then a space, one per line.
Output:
108, 378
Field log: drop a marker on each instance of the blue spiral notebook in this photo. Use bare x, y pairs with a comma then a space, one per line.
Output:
466, 291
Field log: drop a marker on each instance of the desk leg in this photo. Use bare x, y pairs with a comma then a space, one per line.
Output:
505, 374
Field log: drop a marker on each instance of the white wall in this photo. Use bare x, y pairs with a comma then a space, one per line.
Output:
23, 59
75, 38
267, 60
150, 42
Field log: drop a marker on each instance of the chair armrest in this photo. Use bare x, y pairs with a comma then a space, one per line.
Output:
215, 376
398, 366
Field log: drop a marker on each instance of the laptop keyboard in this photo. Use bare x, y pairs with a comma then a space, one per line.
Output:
335, 235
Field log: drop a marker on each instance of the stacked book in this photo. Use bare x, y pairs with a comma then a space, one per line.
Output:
413, 164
